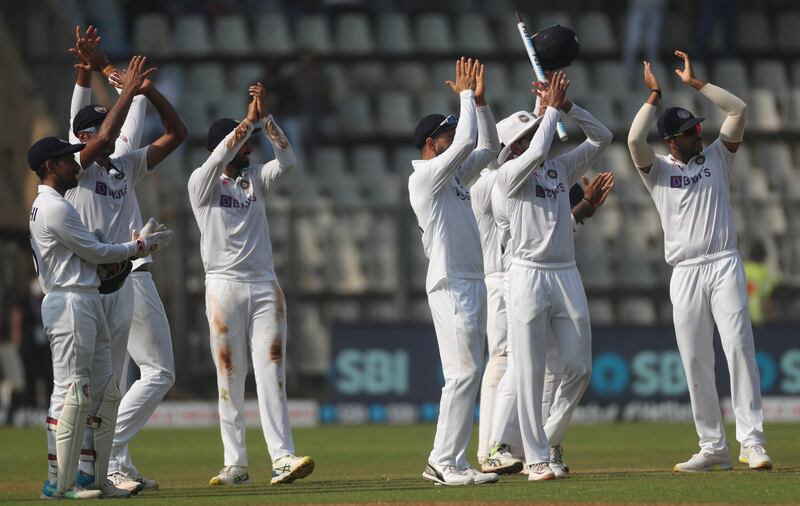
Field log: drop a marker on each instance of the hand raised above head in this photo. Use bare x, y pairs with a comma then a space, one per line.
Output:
465, 76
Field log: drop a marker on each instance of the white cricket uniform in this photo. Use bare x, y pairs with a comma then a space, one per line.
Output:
244, 303
496, 318
546, 292
65, 255
438, 191
707, 287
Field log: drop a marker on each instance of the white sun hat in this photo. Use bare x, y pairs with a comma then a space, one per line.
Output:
510, 130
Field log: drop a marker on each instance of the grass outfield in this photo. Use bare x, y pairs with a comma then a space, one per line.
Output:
611, 464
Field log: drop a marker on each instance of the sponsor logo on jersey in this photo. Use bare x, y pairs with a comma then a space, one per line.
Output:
686, 181
550, 193
101, 188
234, 203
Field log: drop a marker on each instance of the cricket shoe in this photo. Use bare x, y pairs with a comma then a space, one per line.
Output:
557, 462
701, 462
125, 482
448, 475
75, 492
501, 461
289, 468
480, 478
147, 482
540, 471
108, 490
755, 456
231, 475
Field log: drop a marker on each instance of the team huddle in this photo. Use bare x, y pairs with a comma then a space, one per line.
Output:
497, 217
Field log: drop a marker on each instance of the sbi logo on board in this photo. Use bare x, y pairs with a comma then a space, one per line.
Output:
660, 373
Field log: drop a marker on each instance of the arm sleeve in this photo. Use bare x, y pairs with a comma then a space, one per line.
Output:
514, 172
273, 172
136, 163
81, 97
580, 159
203, 179
488, 147
732, 129
642, 154
67, 227
130, 134
441, 168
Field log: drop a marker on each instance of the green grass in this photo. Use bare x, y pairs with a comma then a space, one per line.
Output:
622, 463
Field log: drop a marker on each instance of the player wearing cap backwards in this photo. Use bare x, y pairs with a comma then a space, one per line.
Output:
691, 191
244, 302
65, 254
516, 132
546, 293
150, 342
438, 190
105, 198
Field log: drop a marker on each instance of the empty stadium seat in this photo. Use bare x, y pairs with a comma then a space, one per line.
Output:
312, 32
637, 311
366, 76
191, 36
474, 35
603, 109
195, 112
394, 33
370, 161
383, 263
438, 102
601, 311
410, 76
273, 36
207, 78
313, 339
232, 104
592, 258
244, 74
731, 75
396, 113
609, 78
151, 35
231, 36
344, 271
355, 116
401, 160
788, 27
433, 34
549, 18
329, 161
763, 112
759, 34
595, 32
771, 74
353, 34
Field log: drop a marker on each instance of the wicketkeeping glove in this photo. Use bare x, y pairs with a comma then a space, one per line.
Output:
154, 235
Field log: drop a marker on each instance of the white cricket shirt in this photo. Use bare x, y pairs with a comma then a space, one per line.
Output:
694, 203
481, 193
232, 214
439, 195
537, 191
65, 252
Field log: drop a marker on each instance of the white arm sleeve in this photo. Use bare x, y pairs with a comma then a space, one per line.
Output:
641, 152
577, 161
130, 134
441, 168
488, 147
732, 129
67, 227
81, 97
514, 172
203, 179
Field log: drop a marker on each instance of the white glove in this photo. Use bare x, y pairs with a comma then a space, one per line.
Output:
154, 235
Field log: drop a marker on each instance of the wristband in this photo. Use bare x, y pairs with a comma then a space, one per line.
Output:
656, 91
108, 70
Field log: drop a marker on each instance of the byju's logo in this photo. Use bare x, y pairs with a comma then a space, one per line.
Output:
225, 201
100, 188
686, 181
550, 192
676, 181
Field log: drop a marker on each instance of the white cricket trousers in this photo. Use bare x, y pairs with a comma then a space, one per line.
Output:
118, 310
459, 318
150, 347
707, 290
548, 298
496, 338
75, 325
241, 315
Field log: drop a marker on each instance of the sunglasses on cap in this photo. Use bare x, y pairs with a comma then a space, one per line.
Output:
91, 130
446, 124
691, 132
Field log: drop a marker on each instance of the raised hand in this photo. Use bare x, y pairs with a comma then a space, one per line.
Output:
252, 110
87, 50
554, 92
465, 76
480, 84
134, 76
596, 191
687, 74
649, 78
259, 94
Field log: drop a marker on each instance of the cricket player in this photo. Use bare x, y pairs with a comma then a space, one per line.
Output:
691, 190
546, 293
438, 190
150, 342
245, 305
85, 391
516, 132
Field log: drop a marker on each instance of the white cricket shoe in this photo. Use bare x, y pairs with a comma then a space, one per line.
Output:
125, 482
501, 461
74, 492
701, 462
231, 475
109, 491
448, 475
289, 468
540, 471
755, 456
480, 478
147, 482
557, 462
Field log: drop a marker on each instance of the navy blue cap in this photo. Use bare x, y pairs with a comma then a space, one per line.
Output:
219, 129
50, 147
89, 116
430, 124
675, 120
556, 46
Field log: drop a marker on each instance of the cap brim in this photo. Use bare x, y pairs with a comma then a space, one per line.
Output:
506, 151
690, 124
72, 148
